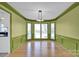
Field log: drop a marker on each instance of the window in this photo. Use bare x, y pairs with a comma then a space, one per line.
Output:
41, 31
52, 31
29, 31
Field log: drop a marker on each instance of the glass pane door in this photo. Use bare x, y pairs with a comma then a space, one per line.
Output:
44, 31
53, 31
37, 31
29, 31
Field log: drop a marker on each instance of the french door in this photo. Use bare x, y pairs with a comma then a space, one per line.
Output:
41, 31
37, 30
44, 33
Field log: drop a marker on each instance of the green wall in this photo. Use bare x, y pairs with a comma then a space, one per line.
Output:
17, 27
67, 30
68, 25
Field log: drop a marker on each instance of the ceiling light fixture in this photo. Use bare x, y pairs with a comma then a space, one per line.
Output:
40, 15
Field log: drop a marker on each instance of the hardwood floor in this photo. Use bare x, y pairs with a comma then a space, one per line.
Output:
40, 49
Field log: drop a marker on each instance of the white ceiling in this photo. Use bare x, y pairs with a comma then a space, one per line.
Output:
50, 10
